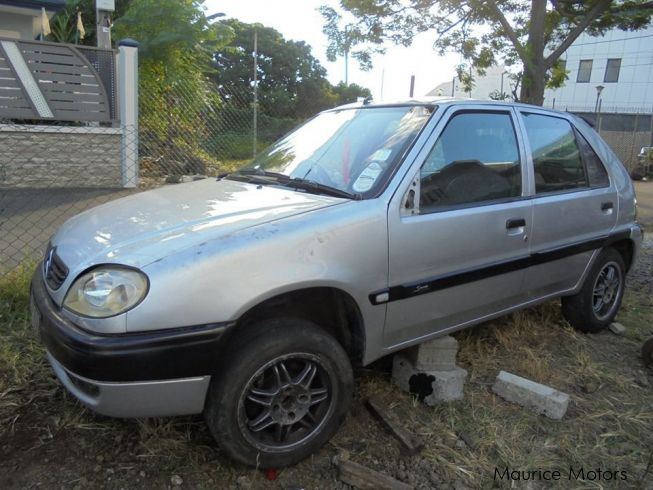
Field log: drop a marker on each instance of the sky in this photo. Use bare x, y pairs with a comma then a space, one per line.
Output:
300, 21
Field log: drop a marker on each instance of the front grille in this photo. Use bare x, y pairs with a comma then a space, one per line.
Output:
54, 269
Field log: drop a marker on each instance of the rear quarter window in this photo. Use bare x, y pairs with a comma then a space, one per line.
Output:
596, 172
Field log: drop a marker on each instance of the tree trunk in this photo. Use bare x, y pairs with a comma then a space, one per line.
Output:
532, 86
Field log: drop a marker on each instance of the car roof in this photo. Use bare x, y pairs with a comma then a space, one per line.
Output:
439, 101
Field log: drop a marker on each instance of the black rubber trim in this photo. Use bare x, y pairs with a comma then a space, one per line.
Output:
438, 283
164, 354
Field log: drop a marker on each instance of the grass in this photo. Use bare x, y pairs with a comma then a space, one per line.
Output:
20, 353
609, 423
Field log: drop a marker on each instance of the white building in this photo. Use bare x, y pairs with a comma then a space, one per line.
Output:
621, 62
495, 77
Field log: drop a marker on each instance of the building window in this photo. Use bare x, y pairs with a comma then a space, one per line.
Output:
584, 71
612, 70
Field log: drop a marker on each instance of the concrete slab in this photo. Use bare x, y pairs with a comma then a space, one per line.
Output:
540, 398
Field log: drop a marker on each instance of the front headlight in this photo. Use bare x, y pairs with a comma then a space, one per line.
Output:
106, 291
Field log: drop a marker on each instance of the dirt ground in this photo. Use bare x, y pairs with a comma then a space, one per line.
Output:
48, 440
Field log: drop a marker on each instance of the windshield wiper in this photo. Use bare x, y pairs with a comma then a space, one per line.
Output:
256, 176
312, 186
265, 177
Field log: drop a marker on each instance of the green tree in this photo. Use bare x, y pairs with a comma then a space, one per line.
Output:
291, 81
176, 98
532, 34
347, 94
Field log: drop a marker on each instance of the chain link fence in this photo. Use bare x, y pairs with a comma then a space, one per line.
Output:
189, 132
50, 172
625, 130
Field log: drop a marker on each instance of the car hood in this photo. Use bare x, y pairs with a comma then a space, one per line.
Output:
147, 226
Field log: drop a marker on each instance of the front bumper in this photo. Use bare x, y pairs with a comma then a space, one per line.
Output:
129, 375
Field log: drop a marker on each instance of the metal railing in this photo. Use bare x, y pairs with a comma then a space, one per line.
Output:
54, 81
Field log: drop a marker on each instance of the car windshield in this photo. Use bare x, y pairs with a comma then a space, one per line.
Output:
348, 151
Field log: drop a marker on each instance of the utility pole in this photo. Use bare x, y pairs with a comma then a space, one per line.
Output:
103, 10
346, 57
599, 89
382, 82
255, 90
412, 86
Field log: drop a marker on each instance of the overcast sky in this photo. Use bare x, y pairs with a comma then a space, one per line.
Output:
300, 21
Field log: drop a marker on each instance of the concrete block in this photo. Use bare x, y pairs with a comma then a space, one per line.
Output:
435, 355
538, 397
447, 386
431, 387
617, 328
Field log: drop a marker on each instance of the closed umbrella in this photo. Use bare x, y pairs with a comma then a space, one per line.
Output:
80, 27
45, 24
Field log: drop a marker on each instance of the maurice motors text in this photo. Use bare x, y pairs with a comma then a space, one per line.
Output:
572, 473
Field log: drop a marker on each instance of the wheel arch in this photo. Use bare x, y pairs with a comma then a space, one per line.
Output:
626, 249
331, 308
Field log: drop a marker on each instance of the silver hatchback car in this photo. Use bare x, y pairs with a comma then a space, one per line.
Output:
368, 229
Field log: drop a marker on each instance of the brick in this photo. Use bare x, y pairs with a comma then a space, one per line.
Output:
540, 398
435, 355
433, 387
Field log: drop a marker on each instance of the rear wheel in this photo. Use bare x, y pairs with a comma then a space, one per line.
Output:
598, 301
284, 393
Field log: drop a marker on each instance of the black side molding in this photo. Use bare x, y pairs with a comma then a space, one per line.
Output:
430, 285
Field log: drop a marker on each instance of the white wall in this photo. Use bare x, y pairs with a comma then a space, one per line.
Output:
633, 91
483, 85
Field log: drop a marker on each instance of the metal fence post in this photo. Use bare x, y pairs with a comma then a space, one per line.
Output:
128, 103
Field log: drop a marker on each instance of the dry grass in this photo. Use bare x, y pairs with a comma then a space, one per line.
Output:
609, 423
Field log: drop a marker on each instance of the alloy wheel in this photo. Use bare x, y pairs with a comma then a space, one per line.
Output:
607, 289
286, 402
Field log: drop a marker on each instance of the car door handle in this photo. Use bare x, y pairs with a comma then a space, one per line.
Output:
515, 223
606, 206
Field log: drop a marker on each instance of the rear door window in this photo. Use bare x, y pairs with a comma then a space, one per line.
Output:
556, 157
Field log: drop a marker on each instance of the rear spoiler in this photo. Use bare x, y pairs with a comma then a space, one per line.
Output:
587, 120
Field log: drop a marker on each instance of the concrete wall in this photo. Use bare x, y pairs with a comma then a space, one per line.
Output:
59, 156
16, 26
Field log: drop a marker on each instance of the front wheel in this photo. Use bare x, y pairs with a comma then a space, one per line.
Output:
284, 392
598, 301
